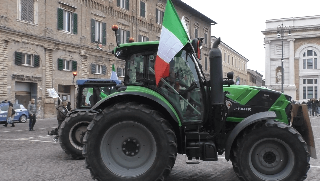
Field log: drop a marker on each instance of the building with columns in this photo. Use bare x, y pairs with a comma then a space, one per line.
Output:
301, 50
43, 42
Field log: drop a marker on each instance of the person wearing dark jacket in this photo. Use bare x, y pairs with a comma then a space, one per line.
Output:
32, 109
10, 115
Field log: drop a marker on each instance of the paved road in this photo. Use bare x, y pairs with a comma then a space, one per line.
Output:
32, 155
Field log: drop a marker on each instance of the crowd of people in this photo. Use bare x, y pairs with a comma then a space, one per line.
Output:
313, 107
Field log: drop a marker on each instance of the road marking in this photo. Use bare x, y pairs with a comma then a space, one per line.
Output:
18, 130
5, 131
34, 140
42, 128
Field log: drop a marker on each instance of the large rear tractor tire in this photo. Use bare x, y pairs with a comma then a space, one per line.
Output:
129, 141
72, 131
271, 150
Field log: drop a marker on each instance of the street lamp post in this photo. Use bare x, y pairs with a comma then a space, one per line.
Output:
280, 34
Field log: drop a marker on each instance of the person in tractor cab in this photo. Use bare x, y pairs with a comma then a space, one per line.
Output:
182, 79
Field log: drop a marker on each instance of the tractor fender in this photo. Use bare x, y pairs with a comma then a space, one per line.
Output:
166, 105
243, 124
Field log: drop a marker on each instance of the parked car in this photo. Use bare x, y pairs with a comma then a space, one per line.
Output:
21, 114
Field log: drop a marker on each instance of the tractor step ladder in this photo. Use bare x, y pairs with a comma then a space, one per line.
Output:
194, 148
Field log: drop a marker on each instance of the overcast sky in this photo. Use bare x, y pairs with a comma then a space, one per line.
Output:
240, 22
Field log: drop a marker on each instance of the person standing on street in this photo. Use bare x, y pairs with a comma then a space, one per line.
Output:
32, 109
10, 115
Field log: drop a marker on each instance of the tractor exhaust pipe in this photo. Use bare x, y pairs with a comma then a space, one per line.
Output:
216, 78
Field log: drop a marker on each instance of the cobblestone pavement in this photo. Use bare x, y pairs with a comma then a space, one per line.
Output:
32, 155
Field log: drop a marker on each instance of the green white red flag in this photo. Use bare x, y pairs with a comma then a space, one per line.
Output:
172, 39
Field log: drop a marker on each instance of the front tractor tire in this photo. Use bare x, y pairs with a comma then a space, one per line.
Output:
129, 141
72, 131
271, 150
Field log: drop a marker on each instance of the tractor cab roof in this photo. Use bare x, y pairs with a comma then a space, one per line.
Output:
127, 49
97, 81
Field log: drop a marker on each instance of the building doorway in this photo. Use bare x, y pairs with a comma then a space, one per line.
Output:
24, 92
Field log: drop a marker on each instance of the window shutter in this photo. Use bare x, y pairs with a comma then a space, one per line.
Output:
118, 3
75, 23
36, 61
104, 33
139, 38
119, 72
104, 69
74, 66
118, 36
127, 4
161, 18
93, 68
142, 9
60, 19
60, 64
128, 36
157, 15
18, 58
92, 30
205, 38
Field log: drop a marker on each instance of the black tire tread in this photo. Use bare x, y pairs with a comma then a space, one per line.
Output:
269, 123
147, 109
63, 133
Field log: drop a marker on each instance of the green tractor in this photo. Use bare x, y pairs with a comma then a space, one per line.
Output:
138, 131
71, 131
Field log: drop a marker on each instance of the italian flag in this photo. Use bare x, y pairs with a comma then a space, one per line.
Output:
172, 39
114, 75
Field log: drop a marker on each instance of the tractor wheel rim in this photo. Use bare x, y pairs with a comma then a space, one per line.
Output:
271, 159
128, 149
76, 134
23, 119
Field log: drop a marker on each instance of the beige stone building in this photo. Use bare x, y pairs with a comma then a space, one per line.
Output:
232, 61
301, 51
43, 42
254, 78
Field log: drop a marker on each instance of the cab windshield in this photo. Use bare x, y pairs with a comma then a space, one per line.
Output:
181, 87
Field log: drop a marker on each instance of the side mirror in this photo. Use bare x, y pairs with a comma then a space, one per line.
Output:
230, 75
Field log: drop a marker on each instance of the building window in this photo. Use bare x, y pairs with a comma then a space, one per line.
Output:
310, 88
196, 33
98, 32
67, 21
159, 16
205, 38
205, 63
120, 72
25, 59
27, 10
142, 9
98, 69
67, 65
143, 38
123, 4
310, 60
224, 57
228, 58
123, 36
231, 60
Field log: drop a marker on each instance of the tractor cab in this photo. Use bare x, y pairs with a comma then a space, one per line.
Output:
181, 88
90, 91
